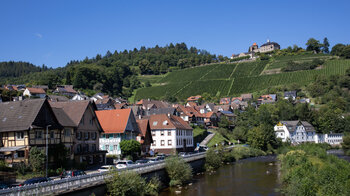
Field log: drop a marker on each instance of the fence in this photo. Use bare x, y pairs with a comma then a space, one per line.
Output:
65, 185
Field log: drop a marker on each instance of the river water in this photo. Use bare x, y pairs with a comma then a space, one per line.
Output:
254, 176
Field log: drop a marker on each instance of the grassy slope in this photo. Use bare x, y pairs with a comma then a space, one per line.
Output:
234, 79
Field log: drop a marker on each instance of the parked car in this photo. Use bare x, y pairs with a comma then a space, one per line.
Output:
141, 161
72, 173
153, 159
124, 164
161, 156
106, 168
35, 180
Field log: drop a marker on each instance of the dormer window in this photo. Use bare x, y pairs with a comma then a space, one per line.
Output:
155, 123
165, 122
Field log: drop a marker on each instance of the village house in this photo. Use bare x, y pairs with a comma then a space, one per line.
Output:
145, 135
35, 92
66, 90
148, 104
80, 97
290, 95
225, 101
117, 125
194, 98
85, 132
56, 98
266, 47
247, 97
25, 124
266, 99
190, 115
298, 132
170, 134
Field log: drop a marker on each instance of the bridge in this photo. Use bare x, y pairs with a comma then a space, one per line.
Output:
67, 185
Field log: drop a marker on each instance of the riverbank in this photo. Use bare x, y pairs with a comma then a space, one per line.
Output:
250, 176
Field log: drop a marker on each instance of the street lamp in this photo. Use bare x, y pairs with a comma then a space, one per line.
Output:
47, 148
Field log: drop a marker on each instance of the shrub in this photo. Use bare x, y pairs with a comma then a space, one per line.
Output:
178, 170
125, 183
153, 186
37, 159
130, 147
213, 160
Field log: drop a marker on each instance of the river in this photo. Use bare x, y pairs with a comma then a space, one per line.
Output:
253, 176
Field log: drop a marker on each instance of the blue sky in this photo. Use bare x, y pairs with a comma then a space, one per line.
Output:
57, 31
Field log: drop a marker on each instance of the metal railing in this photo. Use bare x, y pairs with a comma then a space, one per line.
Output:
60, 186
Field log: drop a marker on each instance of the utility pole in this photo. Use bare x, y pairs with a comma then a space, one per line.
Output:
47, 148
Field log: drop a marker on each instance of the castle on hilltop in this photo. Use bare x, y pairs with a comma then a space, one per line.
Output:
266, 47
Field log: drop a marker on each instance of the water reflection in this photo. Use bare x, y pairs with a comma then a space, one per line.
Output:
256, 176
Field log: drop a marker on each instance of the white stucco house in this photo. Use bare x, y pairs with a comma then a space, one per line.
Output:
298, 132
170, 134
35, 92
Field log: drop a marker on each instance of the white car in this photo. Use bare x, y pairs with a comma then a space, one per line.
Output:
124, 164
106, 168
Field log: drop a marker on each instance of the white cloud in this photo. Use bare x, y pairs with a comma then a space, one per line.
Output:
38, 35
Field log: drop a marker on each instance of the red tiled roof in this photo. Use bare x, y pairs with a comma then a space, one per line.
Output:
163, 121
194, 98
113, 121
142, 123
36, 90
236, 98
192, 104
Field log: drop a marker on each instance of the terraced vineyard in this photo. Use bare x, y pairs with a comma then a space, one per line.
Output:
231, 79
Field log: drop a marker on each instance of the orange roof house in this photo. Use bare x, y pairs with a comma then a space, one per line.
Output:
117, 125
117, 121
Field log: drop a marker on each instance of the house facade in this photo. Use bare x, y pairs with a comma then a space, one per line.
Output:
25, 124
35, 92
83, 137
145, 135
117, 125
298, 132
170, 134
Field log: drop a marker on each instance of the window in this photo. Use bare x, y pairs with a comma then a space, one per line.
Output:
162, 133
78, 135
169, 142
79, 148
111, 148
103, 136
87, 148
165, 122
110, 135
169, 133
20, 154
155, 123
52, 134
162, 142
154, 143
93, 147
115, 147
107, 147
86, 135
20, 135
67, 132
38, 134
93, 135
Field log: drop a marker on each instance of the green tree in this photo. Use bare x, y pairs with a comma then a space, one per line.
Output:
178, 170
262, 137
37, 159
313, 45
337, 49
325, 46
346, 52
125, 183
130, 147
213, 160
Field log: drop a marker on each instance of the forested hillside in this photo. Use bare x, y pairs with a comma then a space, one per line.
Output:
114, 73
17, 69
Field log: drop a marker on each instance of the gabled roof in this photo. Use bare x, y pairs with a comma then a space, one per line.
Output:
237, 98
36, 90
247, 96
270, 43
290, 93
63, 118
160, 111
143, 123
114, 121
163, 121
56, 98
74, 109
21, 115
190, 111
291, 125
192, 104
146, 103
66, 89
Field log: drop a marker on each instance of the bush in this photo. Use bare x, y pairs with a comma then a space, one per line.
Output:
178, 170
213, 160
131, 183
37, 159
130, 147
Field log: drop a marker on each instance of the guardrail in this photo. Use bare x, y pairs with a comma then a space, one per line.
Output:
65, 185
